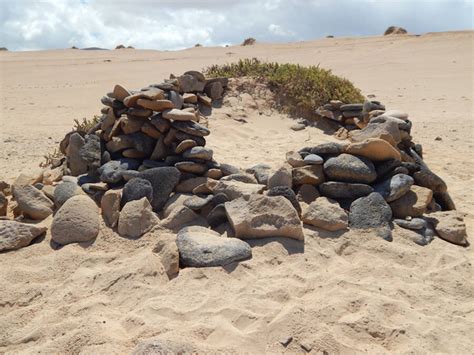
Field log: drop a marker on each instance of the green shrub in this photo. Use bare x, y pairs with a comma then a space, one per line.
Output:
300, 90
86, 124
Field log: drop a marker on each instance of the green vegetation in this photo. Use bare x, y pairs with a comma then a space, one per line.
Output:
86, 124
300, 90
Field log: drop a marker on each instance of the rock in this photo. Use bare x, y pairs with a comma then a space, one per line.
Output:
445, 201
162, 347
351, 107
217, 215
32, 202
190, 98
413, 203
295, 159
201, 247
344, 190
5, 187
387, 131
76, 221
181, 136
75, 161
331, 148
180, 217
120, 93
16, 235
132, 124
91, 153
374, 149
236, 189
313, 159
287, 193
175, 201
32, 177
394, 187
394, 30
198, 153
195, 203
325, 214
228, 169
136, 189
179, 115
190, 83
298, 127
185, 145
167, 250
310, 174
155, 105
261, 172
136, 218
242, 177
214, 90
188, 185
263, 216
3, 204
450, 226
281, 177
307, 193
150, 130
349, 168
64, 191
110, 205
413, 224
430, 180
112, 171
191, 167
176, 99
371, 211
163, 181
161, 124
192, 128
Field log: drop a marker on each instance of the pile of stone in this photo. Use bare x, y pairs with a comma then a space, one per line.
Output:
144, 168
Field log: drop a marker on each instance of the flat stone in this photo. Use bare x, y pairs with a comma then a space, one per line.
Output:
196, 203
310, 174
261, 172
185, 145
281, 177
182, 216
450, 226
110, 206
179, 115
150, 130
161, 124
349, 168
76, 221
331, 148
262, 216
413, 224
394, 187
198, 153
413, 203
32, 202
307, 193
201, 247
344, 190
295, 159
112, 171
155, 105
325, 214
313, 159
287, 193
398, 114
242, 177
191, 167
136, 189
371, 212
120, 93
351, 107
236, 189
16, 235
163, 180
228, 169
191, 127
136, 218
374, 149
188, 185
190, 98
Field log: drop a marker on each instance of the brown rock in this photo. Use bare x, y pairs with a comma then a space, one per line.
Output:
450, 226
32, 202
167, 250
374, 149
326, 214
190, 98
310, 174
179, 115
236, 189
281, 177
150, 130
136, 218
413, 203
110, 205
157, 105
16, 235
131, 124
307, 193
387, 131
120, 93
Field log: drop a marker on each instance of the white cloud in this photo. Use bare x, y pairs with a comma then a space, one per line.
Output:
168, 24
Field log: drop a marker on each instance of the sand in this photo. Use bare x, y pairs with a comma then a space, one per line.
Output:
344, 294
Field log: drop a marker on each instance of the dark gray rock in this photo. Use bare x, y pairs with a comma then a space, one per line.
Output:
201, 247
198, 153
344, 190
371, 212
91, 153
313, 159
386, 167
182, 136
328, 149
191, 127
217, 215
112, 171
427, 178
135, 189
64, 191
394, 187
261, 172
413, 224
350, 168
352, 107
191, 167
445, 201
143, 143
176, 99
196, 203
75, 162
161, 124
228, 169
220, 198
32, 202
163, 180
287, 193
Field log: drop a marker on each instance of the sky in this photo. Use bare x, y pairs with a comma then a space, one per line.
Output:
178, 24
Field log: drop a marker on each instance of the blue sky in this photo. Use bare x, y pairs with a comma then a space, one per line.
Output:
176, 24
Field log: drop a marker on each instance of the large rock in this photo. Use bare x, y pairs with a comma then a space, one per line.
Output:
349, 168
175, 201
110, 205
450, 226
325, 214
198, 153
75, 162
202, 247
64, 191
371, 212
413, 203
430, 180
374, 149
111, 172
263, 216
394, 187
135, 189
387, 131
3, 204
281, 177
310, 174
261, 172
188, 185
307, 193
32, 202
91, 152
76, 221
136, 218
182, 216
16, 235
163, 180
287, 193
236, 189
344, 190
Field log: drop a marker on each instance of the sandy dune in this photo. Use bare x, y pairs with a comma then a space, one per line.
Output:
354, 293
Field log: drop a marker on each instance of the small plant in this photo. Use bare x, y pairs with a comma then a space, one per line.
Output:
198, 45
300, 90
52, 159
249, 41
86, 124
120, 46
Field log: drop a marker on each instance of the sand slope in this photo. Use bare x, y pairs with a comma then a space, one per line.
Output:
354, 293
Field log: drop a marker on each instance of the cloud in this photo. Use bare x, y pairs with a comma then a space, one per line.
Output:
176, 24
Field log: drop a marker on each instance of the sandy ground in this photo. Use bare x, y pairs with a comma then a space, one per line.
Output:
354, 293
